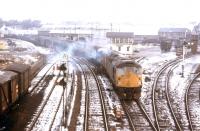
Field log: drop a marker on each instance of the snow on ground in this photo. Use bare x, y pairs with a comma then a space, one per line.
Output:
1, 72
153, 59
151, 62
22, 52
31, 47
178, 82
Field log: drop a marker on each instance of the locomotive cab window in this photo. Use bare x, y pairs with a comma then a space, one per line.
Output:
120, 71
137, 70
125, 70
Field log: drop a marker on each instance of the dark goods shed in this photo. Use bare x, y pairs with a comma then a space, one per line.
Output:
8, 89
23, 72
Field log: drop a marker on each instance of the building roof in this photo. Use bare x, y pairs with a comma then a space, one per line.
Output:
120, 34
6, 76
18, 67
174, 30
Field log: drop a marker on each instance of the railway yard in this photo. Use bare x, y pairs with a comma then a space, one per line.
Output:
75, 93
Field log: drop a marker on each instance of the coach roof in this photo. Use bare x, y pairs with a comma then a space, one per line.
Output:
18, 67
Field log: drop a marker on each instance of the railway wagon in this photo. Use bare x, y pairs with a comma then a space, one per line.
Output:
37, 66
14, 83
23, 72
8, 89
125, 74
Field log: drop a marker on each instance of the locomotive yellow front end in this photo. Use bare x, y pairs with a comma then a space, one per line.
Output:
128, 80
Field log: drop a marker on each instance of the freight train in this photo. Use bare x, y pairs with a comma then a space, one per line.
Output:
125, 74
15, 80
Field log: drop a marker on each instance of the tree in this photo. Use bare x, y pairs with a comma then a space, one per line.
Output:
30, 24
26, 24
36, 23
12, 23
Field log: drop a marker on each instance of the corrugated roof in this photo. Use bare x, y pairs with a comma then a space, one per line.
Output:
120, 34
18, 67
174, 30
6, 76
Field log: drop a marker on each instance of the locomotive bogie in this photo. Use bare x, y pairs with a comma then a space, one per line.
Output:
129, 93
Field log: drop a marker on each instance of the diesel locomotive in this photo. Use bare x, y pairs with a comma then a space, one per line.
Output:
125, 74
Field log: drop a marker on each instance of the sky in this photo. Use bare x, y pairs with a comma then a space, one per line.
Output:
148, 14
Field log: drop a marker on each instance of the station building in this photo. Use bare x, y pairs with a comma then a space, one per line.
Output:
180, 37
174, 33
67, 35
122, 42
146, 39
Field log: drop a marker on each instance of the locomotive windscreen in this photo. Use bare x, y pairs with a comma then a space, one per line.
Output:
126, 69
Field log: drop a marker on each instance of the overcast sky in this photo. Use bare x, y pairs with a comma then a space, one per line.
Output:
147, 13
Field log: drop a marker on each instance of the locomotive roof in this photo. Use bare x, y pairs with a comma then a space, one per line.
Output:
6, 76
118, 60
120, 63
18, 67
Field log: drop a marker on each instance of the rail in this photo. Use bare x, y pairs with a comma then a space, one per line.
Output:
187, 103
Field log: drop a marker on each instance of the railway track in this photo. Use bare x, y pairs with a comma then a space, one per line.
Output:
39, 121
137, 115
176, 102
57, 104
113, 100
128, 114
63, 119
124, 123
42, 79
51, 113
192, 99
94, 113
163, 112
